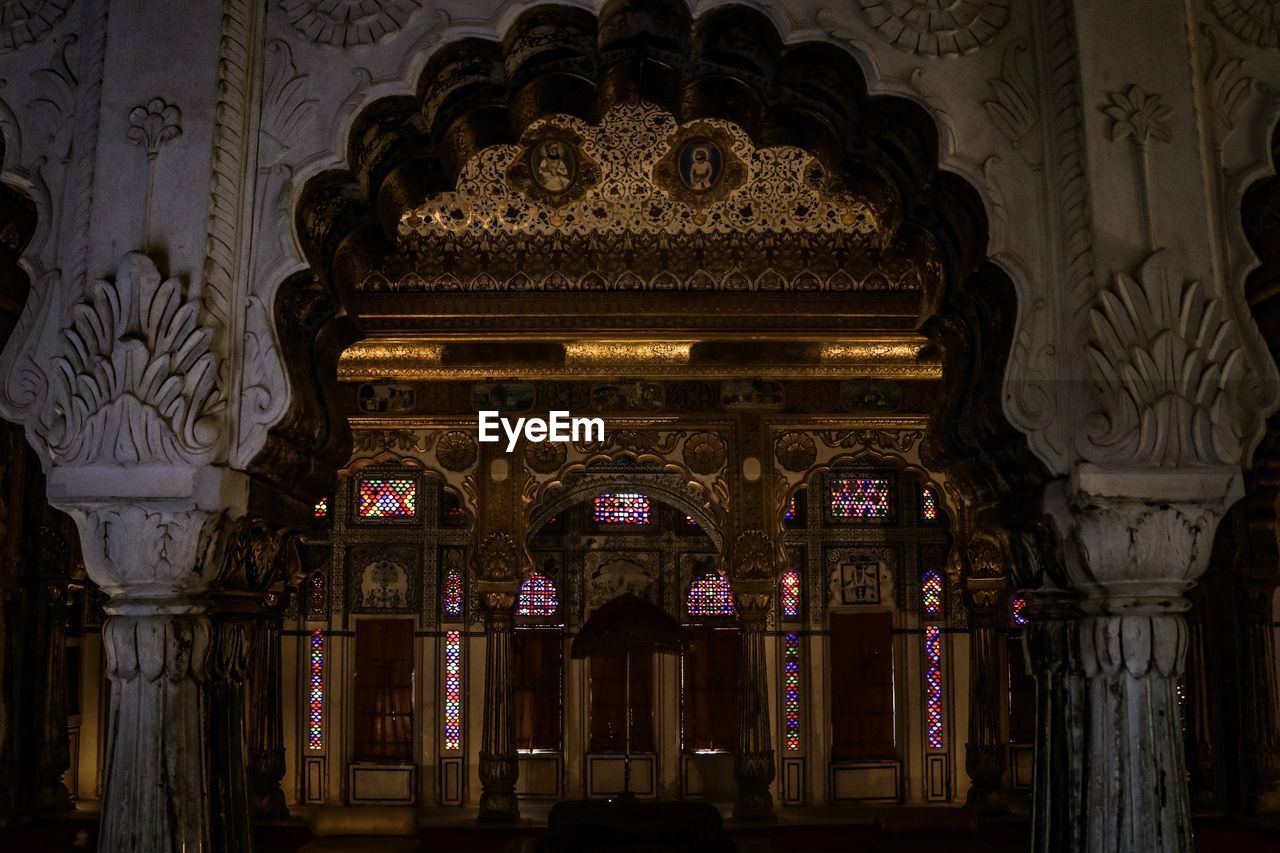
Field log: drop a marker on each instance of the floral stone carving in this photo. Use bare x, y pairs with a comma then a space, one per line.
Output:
933, 28
456, 450
795, 451
25, 22
704, 453
346, 23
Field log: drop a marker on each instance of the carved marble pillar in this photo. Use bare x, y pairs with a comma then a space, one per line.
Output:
55, 750
753, 763
266, 716
1201, 704
499, 768
1260, 716
986, 753
1140, 538
1050, 643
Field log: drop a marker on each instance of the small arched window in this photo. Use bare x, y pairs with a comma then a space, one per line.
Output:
538, 596
710, 595
790, 594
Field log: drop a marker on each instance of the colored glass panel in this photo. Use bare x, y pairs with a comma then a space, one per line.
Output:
710, 595
928, 504
316, 594
691, 521
933, 684
791, 593
453, 690
859, 498
388, 498
791, 690
538, 596
622, 508
790, 514
322, 508
315, 701
931, 593
453, 592
1017, 609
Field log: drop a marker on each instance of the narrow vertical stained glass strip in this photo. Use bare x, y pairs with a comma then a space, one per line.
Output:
453, 592
933, 683
315, 703
538, 596
322, 508
791, 690
622, 508
316, 599
388, 498
453, 690
928, 504
931, 593
790, 514
1017, 609
790, 597
710, 595
859, 498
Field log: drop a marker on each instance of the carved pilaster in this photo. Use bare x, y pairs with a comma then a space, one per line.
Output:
986, 753
266, 717
1140, 539
1258, 704
499, 769
55, 752
231, 825
1050, 643
753, 764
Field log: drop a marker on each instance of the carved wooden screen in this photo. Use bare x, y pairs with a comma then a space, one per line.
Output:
537, 662
861, 656
709, 707
383, 723
609, 707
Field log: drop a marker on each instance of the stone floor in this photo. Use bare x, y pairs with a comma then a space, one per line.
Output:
806, 830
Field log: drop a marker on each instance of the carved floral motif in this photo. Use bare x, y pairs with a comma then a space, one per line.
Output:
1138, 115
1254, 21
497, 558
795, 451
154, 125
135, 381
1013, 108
754, 556
1164, 356
704, 453
544, 457
456, 450
25, 22
934, 28
345, 23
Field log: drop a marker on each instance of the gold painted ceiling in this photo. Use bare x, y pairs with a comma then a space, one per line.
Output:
642, 203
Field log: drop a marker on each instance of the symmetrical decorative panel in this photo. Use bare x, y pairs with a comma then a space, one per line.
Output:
859, 498
622, 508
315, 691
453, 690
791, 690
538, 596
387, 498
710, 595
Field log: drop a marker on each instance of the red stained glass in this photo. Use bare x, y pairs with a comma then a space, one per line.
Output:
453, 592
453, 690
322, 508
315, 719
859, 498
931, 593
1017, 609
928, 504
622, 508
388, 498
791, 690
538, 596
933, 684
790, 593
710, 595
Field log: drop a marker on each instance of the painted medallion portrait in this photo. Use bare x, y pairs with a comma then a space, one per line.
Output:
554, 165
701, 165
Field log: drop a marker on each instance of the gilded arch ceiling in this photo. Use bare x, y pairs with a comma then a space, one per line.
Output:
642, 202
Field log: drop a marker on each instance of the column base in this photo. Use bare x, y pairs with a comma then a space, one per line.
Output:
498, 808
268, 803
987, 799
53, 799
498, 801
754, 773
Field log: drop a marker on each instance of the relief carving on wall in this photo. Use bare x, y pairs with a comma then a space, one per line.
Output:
384, 585
928, 27
1254, 21
346, 23
609, 575
25, 22
640, 202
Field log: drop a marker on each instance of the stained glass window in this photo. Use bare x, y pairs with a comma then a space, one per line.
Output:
928, 504
789, 515
791, 690
931, 593
316, 593
691, 521
380, 498
622, 508
453, 690
538, 596
315, 702
710, 595
933, 683
1017, 611
790, 593
453, 598
322, 508
859, 498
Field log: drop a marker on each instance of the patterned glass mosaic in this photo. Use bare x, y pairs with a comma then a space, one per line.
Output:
453, 690
789, 516
856, 498
933, 684
928, 504
322, 508
622, 508
538, 596
710, 595
1017, 611
453, 597
790, 597
315, 694
381, 498
931, 593
791, 690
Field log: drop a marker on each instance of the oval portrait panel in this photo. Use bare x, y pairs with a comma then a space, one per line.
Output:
554, 165
701, 165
